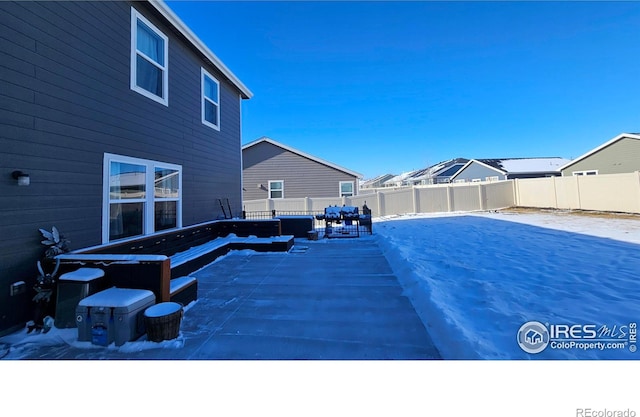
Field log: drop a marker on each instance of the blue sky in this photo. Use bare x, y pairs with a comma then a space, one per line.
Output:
386, 87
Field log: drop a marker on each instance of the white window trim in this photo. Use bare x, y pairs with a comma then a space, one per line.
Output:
282, 189
353, 188
587, 172
135, 16
148, 226
205, 122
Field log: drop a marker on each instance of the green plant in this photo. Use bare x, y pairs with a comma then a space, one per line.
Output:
55, 241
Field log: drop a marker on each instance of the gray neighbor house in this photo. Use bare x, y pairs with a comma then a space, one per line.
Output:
508, 168
274, 170
616, 156
116, 120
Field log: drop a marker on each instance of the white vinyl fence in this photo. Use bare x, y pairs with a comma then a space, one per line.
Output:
422, 199
613, 192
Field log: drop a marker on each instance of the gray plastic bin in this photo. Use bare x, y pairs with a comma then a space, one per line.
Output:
113, 315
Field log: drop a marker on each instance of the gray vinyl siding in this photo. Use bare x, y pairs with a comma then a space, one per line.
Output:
477, 171
65, 101
620, 157
302, 176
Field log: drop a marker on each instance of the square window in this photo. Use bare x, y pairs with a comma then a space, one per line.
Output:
346, 188
276, 189
125, 219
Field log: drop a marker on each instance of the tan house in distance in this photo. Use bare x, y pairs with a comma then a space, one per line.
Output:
273, 170
617, 156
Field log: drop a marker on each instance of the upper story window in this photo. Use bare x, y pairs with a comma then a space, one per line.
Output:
346, 188
210, 100
276, 189
590, 172
149, 59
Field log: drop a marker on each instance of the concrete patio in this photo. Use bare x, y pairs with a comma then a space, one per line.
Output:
327, 299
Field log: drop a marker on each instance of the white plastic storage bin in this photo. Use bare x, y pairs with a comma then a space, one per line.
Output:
113, 315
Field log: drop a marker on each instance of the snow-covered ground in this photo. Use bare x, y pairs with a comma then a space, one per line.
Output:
476, 278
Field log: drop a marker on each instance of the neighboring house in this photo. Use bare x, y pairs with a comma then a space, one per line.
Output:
399, 180
274, 170
508, 168
375, 182
440, 173
619, 155
124, 121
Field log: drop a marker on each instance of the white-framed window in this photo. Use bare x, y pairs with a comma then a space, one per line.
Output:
210, 100
589, 172
149, 59
140, 196
276, 189
346, 188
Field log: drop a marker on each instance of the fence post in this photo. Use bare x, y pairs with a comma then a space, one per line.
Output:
577, 177
449, 198
416, 202
480, 196
638, 175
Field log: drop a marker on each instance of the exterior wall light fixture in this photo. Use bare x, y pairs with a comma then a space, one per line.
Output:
21, 177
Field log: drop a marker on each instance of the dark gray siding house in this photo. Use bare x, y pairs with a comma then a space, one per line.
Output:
124, 121
273, 170
508, 168
617, 156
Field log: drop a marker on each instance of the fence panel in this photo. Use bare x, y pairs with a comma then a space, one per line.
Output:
536, 192
319, 204
433, 199
566, 192
396, 202
465, 197
498, 195
611, 192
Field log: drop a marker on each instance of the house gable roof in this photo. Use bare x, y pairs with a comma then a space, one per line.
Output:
440, 169
481, 162
379, 179
265, 139
601, 147
168, 14
506, 166
399, 179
